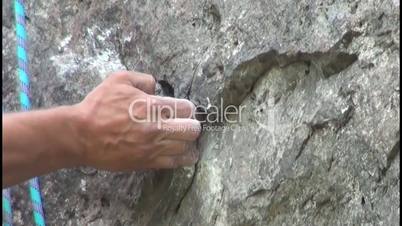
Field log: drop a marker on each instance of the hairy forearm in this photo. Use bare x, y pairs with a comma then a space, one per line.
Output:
39, 142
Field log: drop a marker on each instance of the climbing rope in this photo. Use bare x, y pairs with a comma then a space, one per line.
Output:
23, 76
7, 210
7, 207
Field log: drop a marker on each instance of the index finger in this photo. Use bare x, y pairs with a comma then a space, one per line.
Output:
142, 81
174, 107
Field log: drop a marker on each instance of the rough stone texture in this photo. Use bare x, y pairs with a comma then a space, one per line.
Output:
318, 143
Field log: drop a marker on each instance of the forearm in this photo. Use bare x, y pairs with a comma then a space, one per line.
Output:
39, 142
102, 131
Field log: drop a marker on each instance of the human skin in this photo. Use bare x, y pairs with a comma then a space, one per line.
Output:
99, 132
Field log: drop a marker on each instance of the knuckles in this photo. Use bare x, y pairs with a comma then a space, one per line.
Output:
138, 110
152, 81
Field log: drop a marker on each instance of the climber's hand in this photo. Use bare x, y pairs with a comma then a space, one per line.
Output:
118, 133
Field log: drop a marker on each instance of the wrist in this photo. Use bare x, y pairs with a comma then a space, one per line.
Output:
74, 138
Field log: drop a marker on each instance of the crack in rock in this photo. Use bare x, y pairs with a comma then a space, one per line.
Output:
244, 77
391, 158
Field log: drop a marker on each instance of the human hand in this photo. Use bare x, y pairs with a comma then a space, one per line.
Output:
117, 133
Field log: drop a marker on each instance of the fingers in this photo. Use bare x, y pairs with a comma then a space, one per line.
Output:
144, 82
174, 108
168, 162
171, 107
175, 147
181, 129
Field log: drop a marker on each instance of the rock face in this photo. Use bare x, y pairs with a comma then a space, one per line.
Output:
318, 138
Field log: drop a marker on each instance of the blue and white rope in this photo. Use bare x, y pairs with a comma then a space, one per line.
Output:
7, 208
23, 76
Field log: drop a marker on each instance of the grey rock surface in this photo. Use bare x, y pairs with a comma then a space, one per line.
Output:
318, 140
